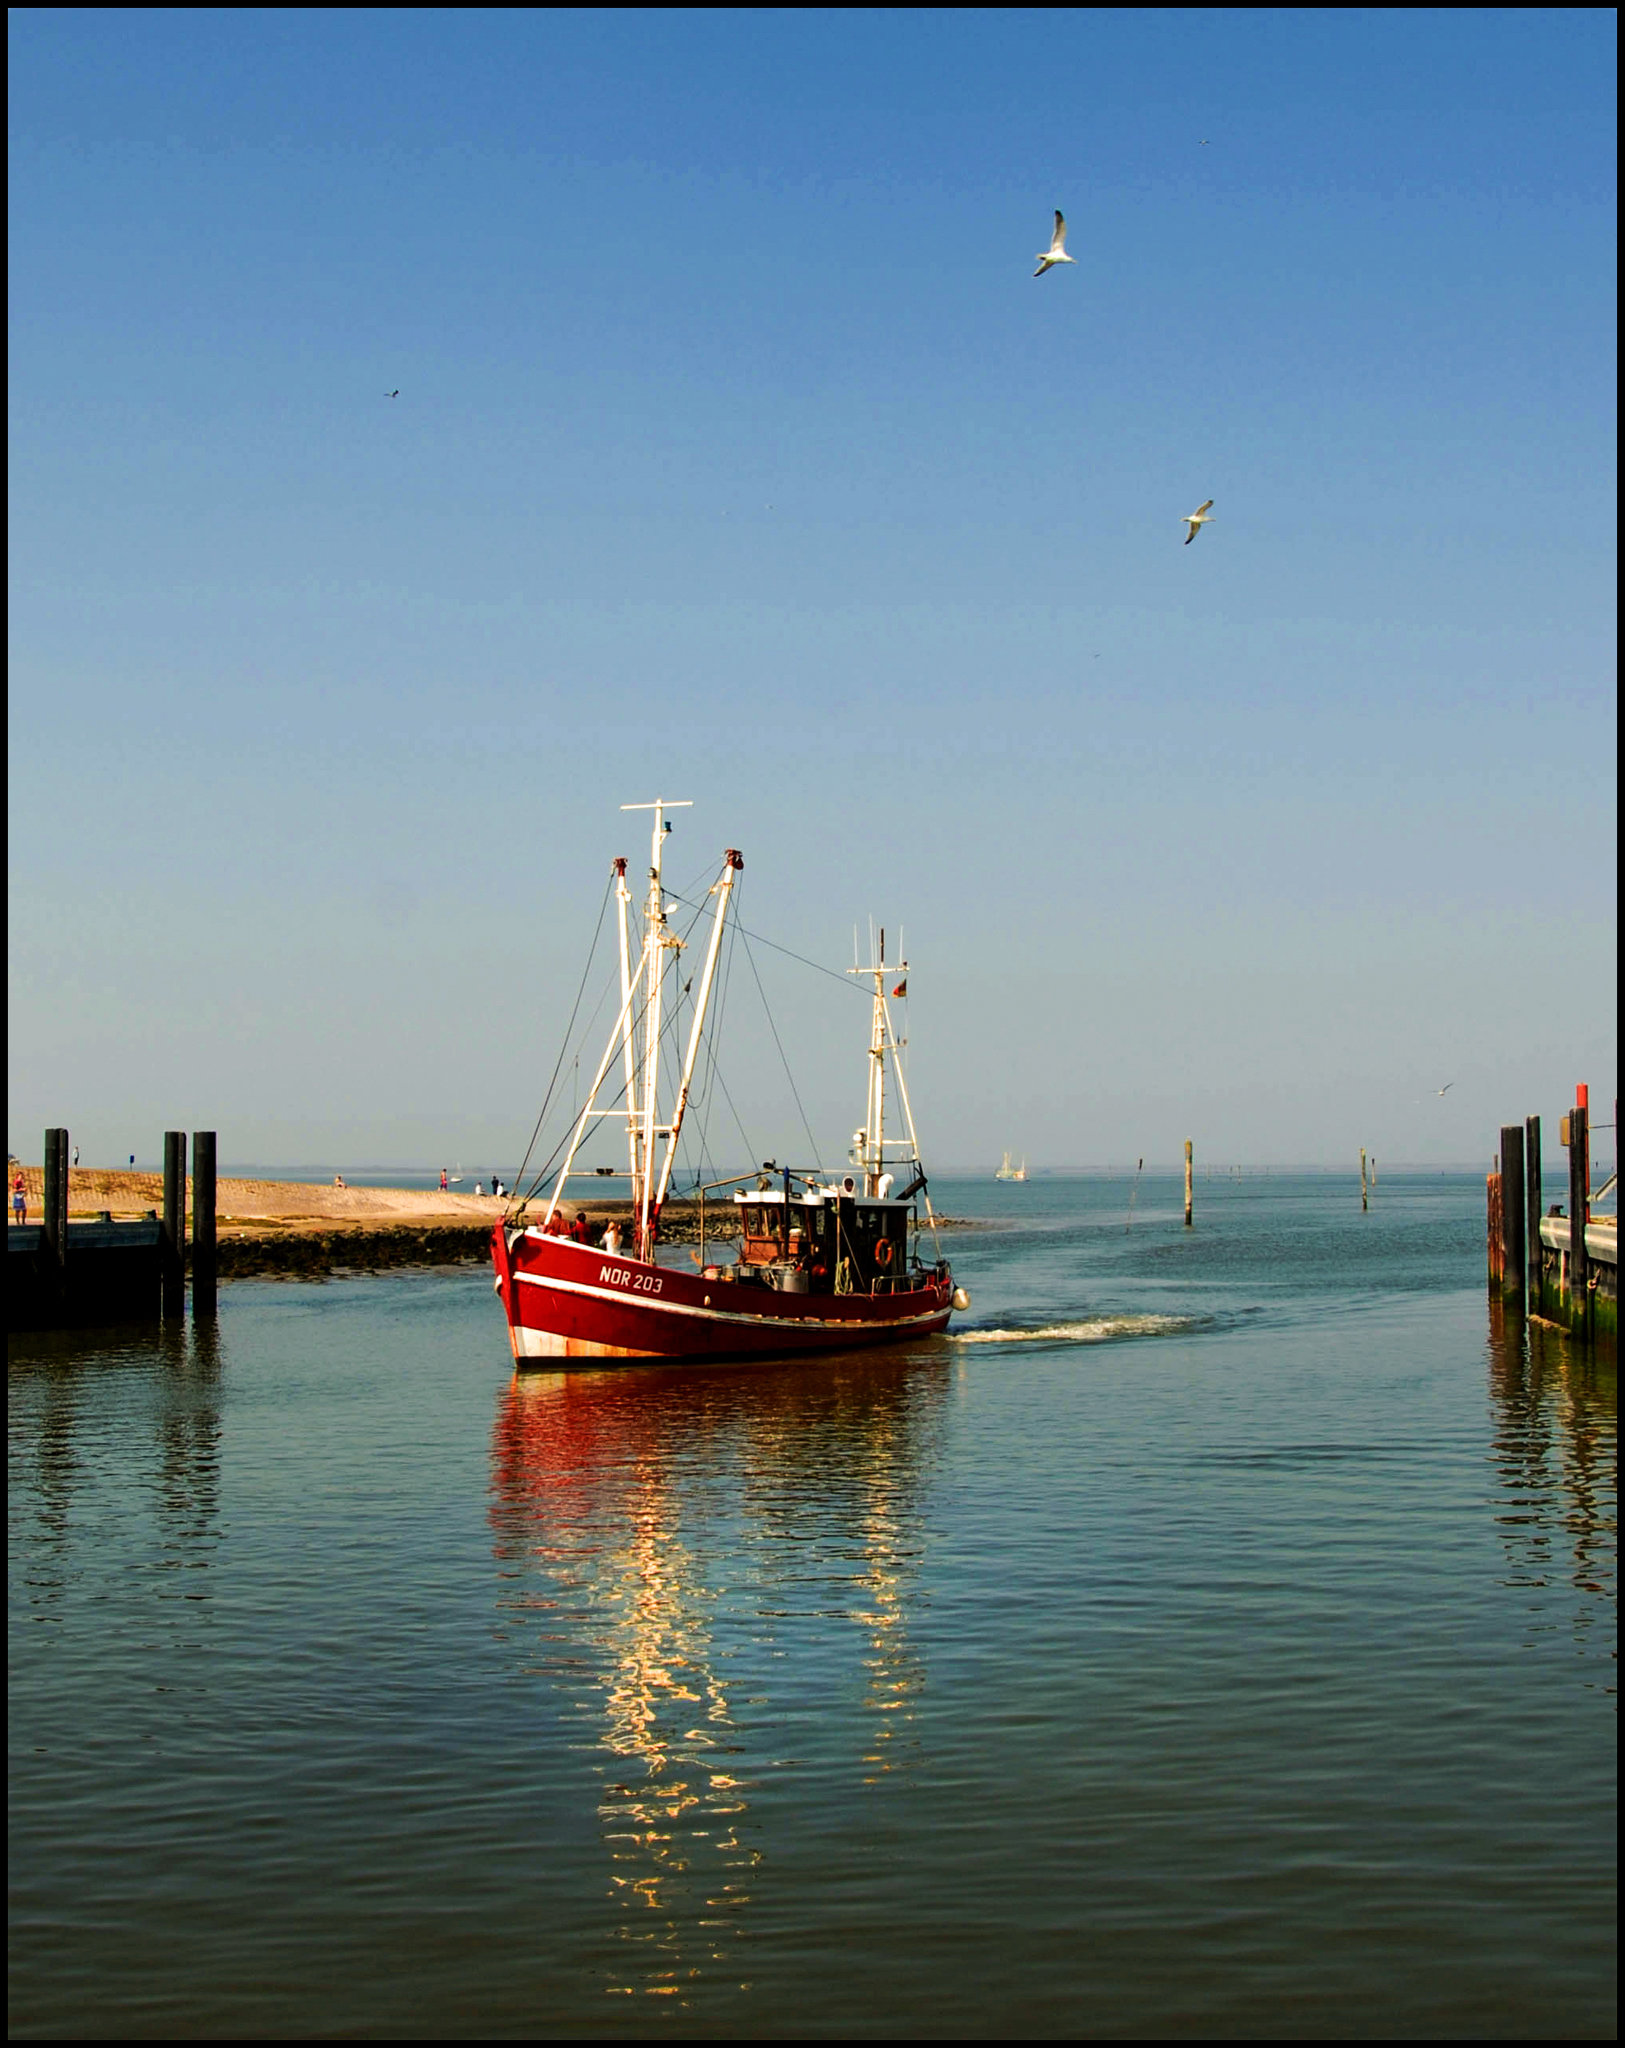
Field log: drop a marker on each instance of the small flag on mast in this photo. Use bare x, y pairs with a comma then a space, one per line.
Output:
902, 987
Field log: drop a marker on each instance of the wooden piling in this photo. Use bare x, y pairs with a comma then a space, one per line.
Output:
1514, 1259
204, 1270
1365, 1192
174, 1238
1188, 1183
54, 1203
1579, 1201
1536, 1294
1492, 1238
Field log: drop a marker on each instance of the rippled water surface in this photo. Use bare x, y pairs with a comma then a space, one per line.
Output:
1216, 1636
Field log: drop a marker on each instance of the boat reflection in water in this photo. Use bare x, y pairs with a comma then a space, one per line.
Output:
716, 1569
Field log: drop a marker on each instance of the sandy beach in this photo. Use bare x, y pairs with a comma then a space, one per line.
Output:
263, 1205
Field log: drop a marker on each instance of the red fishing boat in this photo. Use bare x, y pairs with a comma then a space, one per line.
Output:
788, 1260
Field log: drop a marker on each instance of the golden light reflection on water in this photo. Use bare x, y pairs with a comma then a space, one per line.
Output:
650, 1503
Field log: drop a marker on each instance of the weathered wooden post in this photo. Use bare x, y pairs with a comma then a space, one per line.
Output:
1579, 1201
1187, 1183
174, 1241
54, 1205
203, 1253
1531, 1172
1365, 1192
1492, 1200
1513, 1258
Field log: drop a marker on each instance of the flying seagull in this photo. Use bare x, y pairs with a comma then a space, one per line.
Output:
392, 394
1056, 252
1445, 1090
1197, 520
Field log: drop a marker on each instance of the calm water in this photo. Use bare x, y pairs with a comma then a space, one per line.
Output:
1218, 1637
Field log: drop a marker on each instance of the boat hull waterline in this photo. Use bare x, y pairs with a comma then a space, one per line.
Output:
569, 1300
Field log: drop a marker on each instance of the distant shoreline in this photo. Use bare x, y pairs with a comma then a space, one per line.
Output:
305, 1230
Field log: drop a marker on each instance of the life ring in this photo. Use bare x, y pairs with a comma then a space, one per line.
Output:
883, 1252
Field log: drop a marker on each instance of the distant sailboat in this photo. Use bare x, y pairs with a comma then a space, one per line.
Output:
1009, 1172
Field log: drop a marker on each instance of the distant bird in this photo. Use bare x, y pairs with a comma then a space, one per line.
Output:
1056, 252
1445, 1090
1203, 143
392, 394
1197, 520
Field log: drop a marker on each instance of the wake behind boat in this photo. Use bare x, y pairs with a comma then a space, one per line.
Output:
804, 1261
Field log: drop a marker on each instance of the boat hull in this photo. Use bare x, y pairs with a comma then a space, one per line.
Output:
566, 1300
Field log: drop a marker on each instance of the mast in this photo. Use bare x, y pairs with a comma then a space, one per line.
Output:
732, 862
872, 1156
656, 944
882, 1039
623, 910
635, 1036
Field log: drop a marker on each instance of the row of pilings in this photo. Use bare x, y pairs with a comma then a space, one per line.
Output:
73, 1275
1557, 1264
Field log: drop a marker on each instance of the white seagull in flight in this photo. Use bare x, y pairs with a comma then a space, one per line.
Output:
1056, 252
1197, 520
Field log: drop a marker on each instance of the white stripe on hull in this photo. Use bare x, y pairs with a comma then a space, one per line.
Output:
652, 1306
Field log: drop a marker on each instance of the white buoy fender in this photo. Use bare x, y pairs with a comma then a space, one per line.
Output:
961, 1298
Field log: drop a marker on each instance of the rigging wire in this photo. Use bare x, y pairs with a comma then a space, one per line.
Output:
762, 992
713, 1041
669, 1042
568, 1029
817, 966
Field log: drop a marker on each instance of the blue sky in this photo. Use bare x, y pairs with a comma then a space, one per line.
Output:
739, 456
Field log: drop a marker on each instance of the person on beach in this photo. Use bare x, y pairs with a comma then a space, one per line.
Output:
445, 1185
338, 1180
76, 1155
479, 1188
19, 1201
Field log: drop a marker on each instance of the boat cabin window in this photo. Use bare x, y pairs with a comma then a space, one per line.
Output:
762, 1227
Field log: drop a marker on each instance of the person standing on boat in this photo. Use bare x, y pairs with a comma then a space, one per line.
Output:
19, 1201
612, 1236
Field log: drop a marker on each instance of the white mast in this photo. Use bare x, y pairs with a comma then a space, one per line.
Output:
722, 889
882, 1039
623, 905
646, 977
657, 942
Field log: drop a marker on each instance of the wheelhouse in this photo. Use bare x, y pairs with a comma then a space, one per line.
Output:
816, 1237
